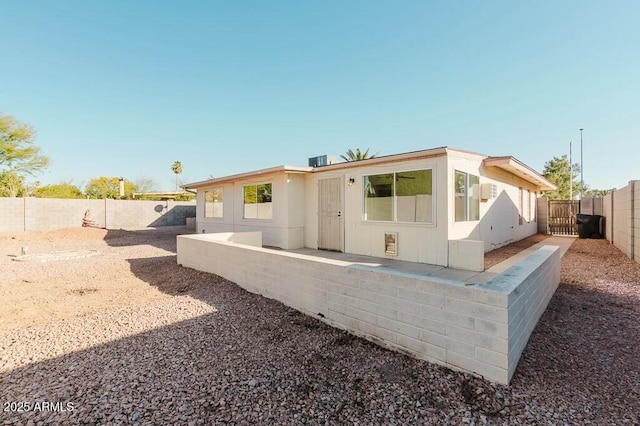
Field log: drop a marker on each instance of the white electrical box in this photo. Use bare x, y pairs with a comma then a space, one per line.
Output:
488, 191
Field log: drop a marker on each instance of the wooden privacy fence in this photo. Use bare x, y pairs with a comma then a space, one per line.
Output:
562, 217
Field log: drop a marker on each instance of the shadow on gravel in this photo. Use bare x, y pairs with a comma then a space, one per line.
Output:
582, 363
585, 348
253, 360
257, 361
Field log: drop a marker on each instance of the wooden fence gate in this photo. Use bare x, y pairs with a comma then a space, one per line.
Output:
562, 217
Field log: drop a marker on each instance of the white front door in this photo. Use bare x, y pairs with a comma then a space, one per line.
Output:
330, 217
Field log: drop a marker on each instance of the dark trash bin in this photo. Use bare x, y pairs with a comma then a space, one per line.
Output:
598, 226
590, 226
582, 222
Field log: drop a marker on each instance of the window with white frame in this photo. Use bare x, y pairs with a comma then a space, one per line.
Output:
534, 206
399, 196
467, 197
213, 203
257, 201
520, 206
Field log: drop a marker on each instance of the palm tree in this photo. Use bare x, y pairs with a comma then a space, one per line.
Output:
350, 155
177, 169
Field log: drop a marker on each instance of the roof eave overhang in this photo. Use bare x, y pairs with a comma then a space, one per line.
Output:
248, 175
385, 159
517, 168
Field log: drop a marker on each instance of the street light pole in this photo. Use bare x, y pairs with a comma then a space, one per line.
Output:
581, 168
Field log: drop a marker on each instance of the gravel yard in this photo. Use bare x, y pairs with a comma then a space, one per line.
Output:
128, 336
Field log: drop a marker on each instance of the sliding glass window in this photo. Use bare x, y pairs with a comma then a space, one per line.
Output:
213, 206
399, 197
467, 197
257, 201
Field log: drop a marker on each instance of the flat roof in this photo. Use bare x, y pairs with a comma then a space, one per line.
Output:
509, 164
433, 152
271, 170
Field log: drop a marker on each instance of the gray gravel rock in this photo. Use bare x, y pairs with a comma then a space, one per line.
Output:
208, 352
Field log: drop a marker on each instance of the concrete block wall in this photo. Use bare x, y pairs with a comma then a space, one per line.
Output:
529, 286
12, 214
542, 211
47, 213
142, 213
635, 225
621, 218
607, 212
477, 329
622, 210
41, 214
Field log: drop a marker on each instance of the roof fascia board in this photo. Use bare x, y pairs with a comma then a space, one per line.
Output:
530, 175
414, 155
256, 173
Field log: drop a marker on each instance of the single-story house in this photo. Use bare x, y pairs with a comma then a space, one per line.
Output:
441, 206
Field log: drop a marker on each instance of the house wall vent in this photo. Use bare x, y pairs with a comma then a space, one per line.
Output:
322, 160
488, 191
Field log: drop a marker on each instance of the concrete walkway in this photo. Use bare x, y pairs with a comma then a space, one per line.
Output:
459, 275
563, 242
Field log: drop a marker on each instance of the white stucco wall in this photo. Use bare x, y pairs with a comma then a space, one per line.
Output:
284, 229
499, 218
295, 209
417, 242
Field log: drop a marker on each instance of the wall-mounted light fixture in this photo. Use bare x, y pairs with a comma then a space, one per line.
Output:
352, 181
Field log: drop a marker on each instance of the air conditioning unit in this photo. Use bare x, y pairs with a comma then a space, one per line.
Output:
322, 160
488, 191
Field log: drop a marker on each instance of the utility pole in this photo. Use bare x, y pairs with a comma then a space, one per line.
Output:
570, 173
581, 168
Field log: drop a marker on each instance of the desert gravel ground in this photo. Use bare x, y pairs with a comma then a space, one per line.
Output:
129, 337
498, 255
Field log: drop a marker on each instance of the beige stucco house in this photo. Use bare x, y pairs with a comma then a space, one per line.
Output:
441, 206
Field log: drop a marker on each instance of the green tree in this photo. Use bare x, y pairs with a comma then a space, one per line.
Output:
185, 196
596, 193
357, 155
177, 169
146, 185
558, 172
12, 184
19, 157
17, 151
109, 187
60, 190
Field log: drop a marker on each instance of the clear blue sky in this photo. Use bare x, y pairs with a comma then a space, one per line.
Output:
125, 88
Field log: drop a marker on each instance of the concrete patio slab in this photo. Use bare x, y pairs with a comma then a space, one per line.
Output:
564, 242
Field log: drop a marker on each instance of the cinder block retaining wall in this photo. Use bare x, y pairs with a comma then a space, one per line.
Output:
482, 329
622, 211
41, 214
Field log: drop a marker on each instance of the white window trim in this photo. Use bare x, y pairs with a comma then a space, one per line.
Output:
466, 198
221, 188
395, 199
256, 185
